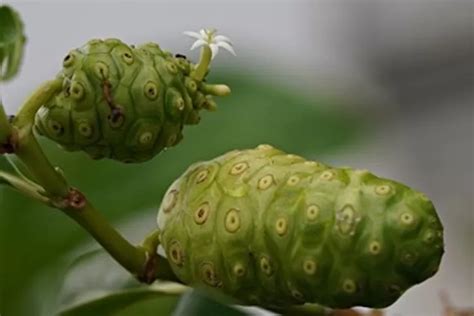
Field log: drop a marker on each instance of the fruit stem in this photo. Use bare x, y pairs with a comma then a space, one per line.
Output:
204, 62
30, 153
26, 115
127, 255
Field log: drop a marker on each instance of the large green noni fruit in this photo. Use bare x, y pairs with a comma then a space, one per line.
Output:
274, 229
123, 102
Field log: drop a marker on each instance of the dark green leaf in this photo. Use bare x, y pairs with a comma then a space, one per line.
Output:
127, 303
198, 303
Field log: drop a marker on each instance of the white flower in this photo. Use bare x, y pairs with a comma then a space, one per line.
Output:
210, 38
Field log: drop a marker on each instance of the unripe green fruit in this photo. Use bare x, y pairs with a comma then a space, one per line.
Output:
274, 229
122, 102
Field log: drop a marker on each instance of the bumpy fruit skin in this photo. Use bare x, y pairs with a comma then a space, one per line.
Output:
122, 102
274, 229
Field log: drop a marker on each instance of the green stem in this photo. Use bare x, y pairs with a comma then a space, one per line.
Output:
152, 241
130, 257
30, 153
26, 116
204, 62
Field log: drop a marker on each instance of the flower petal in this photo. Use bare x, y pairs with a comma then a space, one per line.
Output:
222, 38
227, 47
198, 43
192, 34
203, 33
214, 50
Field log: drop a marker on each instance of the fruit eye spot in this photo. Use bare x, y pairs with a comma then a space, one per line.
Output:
232, 221
238, 168
151, 90
328, 175
239, 269
202, 176
145, 138
116, 118
127, 58
85, 129
293, 180
374, 247
309, 266
101, 70
202, 213
281, 226
179, 104
383, 189
209, 275
68, 60
56, 127
266, 265
192, 86
349, 286
170, 201
176, 253
171, 68
429, 237
76, 90
312, 212
407, 218
265, 182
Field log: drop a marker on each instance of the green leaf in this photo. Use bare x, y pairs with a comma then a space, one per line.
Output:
12, 40
33, 237
127, 303
92, 274
95, 285
197, 303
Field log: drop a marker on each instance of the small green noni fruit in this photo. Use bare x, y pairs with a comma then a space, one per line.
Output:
274, 229
124, 102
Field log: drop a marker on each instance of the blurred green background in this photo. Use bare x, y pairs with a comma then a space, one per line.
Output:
382, 87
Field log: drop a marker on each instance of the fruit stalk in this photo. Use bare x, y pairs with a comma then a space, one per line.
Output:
204, 62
